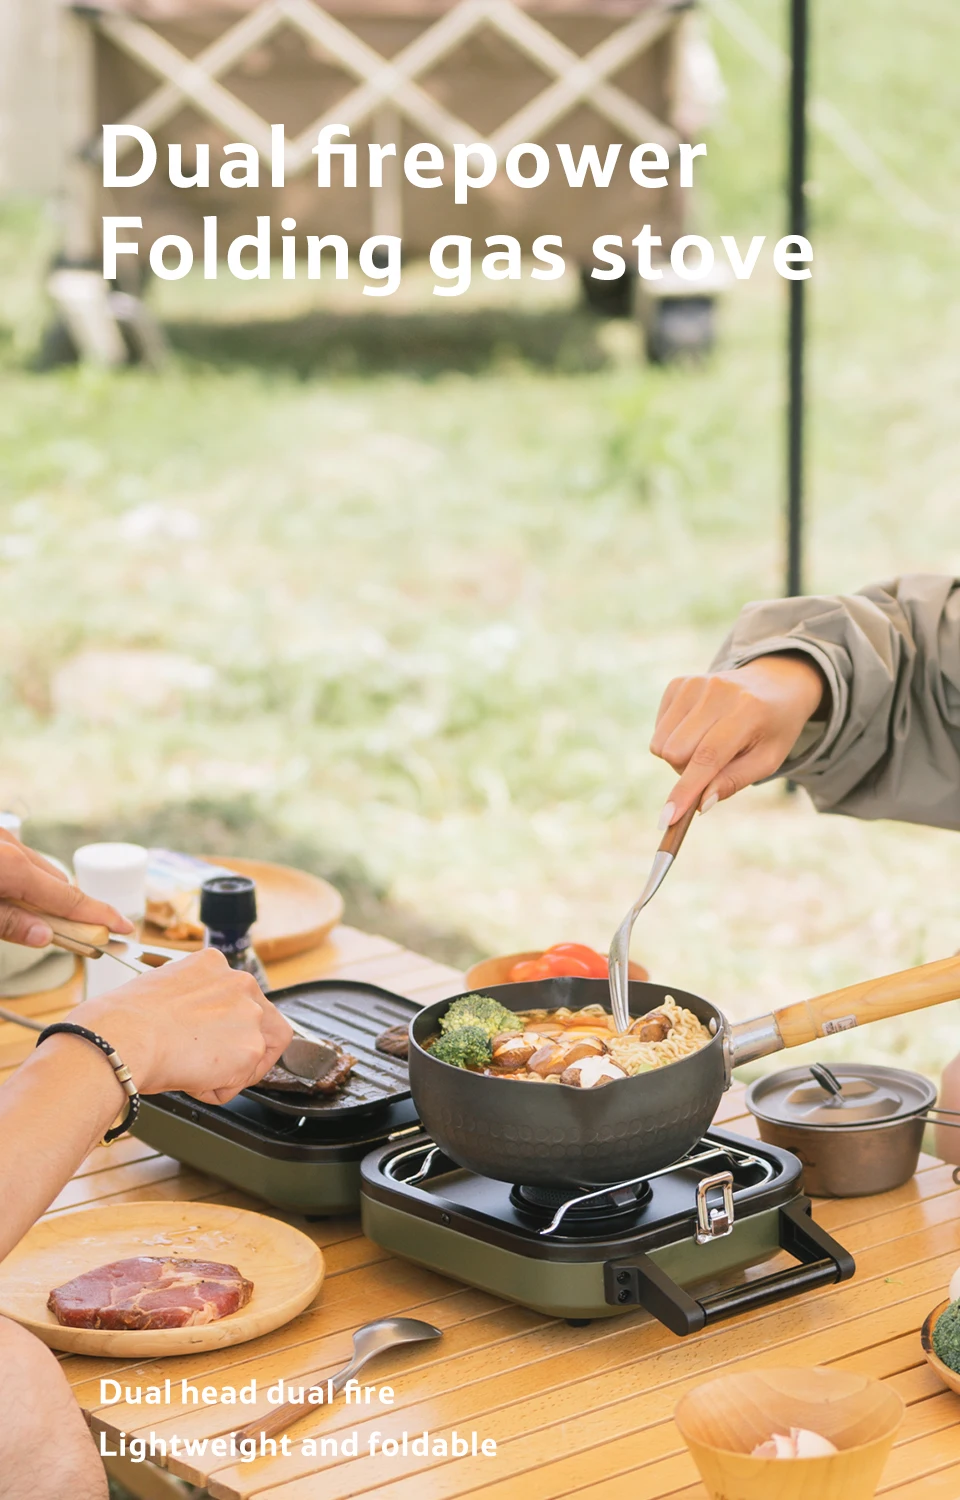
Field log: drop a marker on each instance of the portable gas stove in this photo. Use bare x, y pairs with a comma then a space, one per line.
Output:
729, 1205
300, 1152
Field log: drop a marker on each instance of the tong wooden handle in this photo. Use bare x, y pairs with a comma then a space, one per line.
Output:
84, 938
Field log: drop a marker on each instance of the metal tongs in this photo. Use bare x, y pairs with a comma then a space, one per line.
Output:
88, 940
306, 1057
619, 964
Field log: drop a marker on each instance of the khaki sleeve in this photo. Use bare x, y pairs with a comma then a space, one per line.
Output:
890, 747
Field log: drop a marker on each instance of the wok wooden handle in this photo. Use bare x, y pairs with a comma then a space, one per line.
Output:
872, 1000
85, 938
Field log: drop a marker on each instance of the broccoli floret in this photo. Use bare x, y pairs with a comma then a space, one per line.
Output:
478, 1010
467, 1047
946, 1336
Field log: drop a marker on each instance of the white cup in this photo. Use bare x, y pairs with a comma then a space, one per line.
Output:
115, 873
12, 822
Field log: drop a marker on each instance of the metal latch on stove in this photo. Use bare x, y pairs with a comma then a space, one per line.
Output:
714, 1223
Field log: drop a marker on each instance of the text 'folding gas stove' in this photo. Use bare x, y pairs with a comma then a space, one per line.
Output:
729, 1205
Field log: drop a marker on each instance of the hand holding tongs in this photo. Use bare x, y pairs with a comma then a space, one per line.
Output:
305, 1057
619, 963
88, 940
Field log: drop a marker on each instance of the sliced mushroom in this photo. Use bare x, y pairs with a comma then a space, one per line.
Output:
592, 1072
548, 1059
395, 1041
586, 1046
655, 1027
513, 1052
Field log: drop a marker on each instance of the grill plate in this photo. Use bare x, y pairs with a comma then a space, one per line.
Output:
354, 1015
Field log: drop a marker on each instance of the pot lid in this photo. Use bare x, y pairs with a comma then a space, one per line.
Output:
849, 1094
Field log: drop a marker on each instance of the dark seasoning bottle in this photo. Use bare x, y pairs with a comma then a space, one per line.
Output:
228, 909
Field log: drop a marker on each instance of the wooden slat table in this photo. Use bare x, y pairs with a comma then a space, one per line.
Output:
584, 1411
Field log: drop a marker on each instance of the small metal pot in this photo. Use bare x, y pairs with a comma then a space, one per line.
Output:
874, 1146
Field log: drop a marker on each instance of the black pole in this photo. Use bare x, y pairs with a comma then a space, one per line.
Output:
797, 225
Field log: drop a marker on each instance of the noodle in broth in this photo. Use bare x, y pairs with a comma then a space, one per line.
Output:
688, 1035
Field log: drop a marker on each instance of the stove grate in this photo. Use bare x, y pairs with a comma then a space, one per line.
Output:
591, 1208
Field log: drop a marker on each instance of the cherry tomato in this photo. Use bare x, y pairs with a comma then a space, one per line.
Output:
565, 965
528, 969
596, 963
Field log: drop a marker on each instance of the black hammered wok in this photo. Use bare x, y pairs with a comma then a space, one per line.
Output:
558, 1136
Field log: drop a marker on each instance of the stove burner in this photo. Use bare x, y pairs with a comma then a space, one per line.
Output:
611, 1210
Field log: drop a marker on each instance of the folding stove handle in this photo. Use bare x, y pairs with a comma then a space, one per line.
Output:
638, 1281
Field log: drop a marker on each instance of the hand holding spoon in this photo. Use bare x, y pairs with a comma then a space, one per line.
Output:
619, 964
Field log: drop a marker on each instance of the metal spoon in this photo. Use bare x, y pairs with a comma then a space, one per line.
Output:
619, 964
369, 1341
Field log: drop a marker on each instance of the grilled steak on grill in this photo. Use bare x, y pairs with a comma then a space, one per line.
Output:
281, 1079
148, 1291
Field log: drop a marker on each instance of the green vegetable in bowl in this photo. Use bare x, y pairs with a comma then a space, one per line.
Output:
465, 1047
478, 1010
946, 1336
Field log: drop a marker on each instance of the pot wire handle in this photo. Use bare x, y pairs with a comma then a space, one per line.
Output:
933, 1109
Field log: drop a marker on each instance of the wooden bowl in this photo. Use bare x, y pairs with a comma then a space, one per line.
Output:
949, 1377
723, 1420
491, 971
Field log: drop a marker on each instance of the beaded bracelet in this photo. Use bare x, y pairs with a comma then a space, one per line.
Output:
116, 1063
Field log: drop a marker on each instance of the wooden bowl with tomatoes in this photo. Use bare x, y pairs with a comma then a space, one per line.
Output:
544, 963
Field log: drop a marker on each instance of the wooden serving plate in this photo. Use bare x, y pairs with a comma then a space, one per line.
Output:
949, 1377
295, 910
285, 1266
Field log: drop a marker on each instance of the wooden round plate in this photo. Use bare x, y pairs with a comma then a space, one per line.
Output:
295, 910
286, 1269
949, 1377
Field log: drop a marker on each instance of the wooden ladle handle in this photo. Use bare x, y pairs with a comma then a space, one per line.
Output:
677, 832
277, 1421
871, 1000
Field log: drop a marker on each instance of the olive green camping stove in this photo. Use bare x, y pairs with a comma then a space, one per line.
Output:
729, 1204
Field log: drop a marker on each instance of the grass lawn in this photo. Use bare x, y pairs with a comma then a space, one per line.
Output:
425, 570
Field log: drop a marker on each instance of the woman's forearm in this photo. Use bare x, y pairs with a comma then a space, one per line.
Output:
890, 656
53, 1111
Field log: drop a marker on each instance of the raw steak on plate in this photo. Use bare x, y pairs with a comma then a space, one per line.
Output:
149, 1291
